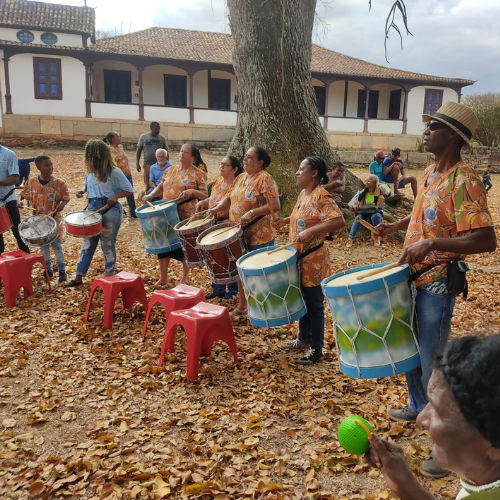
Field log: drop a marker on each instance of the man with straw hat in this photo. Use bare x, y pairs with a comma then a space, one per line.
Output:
449, 220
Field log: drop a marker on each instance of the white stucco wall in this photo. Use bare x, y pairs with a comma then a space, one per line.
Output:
164, 114
153, 83
115, 111
336, 99
416, 98
346, 124
63, 39
22, 88
385, 126
98, 78
352, 99
215, 117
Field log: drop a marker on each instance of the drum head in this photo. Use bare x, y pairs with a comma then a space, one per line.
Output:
156, 209
37, 226
263, 260
83, 218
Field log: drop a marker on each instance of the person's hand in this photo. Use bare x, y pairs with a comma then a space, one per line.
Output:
305, 235
79, 194
416, 252
59, 208
20, 204
390, 459
112, 200
279, 222
385, 229
199, 206
188, 193
246, 219
138, 167
146, 198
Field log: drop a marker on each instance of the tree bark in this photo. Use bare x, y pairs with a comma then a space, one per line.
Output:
276, 102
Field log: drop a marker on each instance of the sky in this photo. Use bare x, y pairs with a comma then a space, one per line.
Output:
452, 38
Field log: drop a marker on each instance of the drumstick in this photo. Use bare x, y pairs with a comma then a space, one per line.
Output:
230, 227
271, 210
367, 225
43, 218
377, 270
150, 204
282, 247
195, 214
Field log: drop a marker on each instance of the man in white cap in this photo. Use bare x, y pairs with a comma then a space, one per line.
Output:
449, 220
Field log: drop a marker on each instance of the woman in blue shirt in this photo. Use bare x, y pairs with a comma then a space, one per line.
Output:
104, 184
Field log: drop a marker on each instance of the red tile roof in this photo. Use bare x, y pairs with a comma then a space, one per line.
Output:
47, 16
203, 46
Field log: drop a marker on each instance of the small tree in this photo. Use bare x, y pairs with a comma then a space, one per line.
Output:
487, 109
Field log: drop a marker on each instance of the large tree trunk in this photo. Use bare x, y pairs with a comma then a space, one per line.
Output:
276, 102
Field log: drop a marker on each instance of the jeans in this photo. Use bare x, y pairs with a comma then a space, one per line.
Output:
312, 325
488, 184
434, 313
58, 254
374, 220
111, 222
232, 289
130, 198
15, 217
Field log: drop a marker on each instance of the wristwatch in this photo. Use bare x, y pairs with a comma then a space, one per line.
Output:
252, 214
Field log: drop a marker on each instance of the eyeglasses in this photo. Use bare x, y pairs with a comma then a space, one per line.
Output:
435, 125
225, 164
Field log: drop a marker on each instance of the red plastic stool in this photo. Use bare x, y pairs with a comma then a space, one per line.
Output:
31, 259
131, 287
204, 324
15, 274
180, 297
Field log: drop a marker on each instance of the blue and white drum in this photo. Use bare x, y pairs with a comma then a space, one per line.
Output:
272, 286
158, 224
373, 322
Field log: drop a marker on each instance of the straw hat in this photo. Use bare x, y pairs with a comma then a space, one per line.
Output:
458, 117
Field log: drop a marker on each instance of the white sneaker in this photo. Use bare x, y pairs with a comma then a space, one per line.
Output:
296, 345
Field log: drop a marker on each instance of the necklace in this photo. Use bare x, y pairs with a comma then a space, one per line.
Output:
471, 488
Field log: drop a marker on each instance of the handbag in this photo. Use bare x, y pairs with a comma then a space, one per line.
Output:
457, 278
368, 210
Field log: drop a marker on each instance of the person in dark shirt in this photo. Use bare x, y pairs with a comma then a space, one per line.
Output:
487, 178
148, 144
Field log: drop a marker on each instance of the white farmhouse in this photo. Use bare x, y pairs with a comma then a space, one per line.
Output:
58, 83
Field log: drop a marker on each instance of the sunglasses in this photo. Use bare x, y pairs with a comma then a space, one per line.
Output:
435, 125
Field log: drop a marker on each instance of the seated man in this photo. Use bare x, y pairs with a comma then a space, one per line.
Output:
158, 169
394, 173
461, 418
336, 182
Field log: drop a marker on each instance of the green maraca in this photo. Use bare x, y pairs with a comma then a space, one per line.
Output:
354, 435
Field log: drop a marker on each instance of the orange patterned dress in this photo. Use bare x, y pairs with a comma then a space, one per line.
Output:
45, 198
248, 193
177, 180
451, 206
311, 210
121, 159
220, 190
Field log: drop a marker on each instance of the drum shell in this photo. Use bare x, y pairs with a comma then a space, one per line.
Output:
273, 293
188, 237
5, 222
158, 228
374, 324
220, 258
84, 229
41, 240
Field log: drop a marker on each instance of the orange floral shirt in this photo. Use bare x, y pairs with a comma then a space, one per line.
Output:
451, 206
177, 180
121, 159
44, 199
220, 190
310, 211
248, 193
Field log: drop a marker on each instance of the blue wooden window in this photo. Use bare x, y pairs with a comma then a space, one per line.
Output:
48, 83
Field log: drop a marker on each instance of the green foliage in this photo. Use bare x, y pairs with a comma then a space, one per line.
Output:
420, 145
487, 109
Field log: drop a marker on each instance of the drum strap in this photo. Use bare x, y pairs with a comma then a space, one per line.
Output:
310, 251
185, 201
417, 274
8, 194
250, 224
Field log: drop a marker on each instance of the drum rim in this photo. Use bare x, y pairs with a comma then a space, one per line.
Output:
168, 206
215, 246
278, 266
47, 217
400, 275
99, 221
178, 227
39, 241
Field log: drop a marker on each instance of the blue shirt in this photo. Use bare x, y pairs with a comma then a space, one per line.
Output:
387, 163
8, 167
156, 174
117, 182
377, 169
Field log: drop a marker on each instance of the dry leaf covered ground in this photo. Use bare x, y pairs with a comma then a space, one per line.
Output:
86, 413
